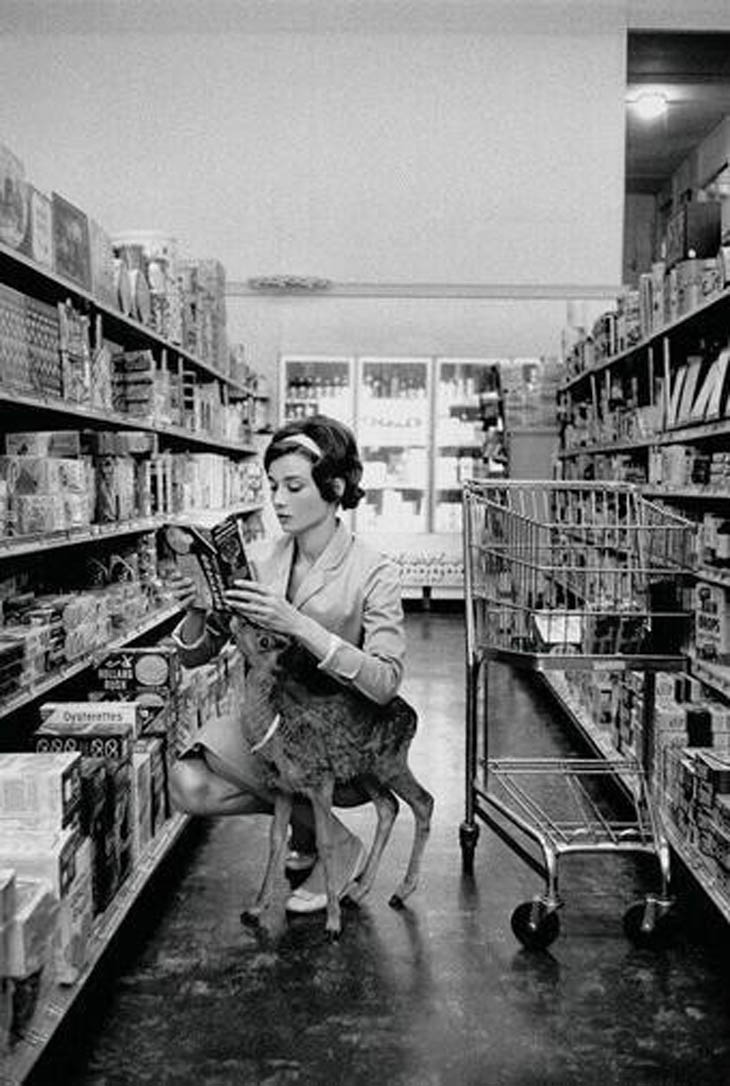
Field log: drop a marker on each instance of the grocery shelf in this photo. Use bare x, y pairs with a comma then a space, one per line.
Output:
716, 676
25, 275
699, 867
17, 546
713, 575
699, 312
612, 447
596, 738
699, 493
70, 671
56, 1004
698, 431
56, 408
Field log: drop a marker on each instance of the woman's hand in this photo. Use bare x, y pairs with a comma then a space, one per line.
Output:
182, 590
257, 603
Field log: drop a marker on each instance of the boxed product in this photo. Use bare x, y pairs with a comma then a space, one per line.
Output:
712, 623
97, 825
134, 671
31, 933
71, 251
94, 740
75, 917
159, 805
42, 855
13, 198
75, 714
44, 346
40, 790
38, 240
8, 895
141, 802
13, 341
64, 443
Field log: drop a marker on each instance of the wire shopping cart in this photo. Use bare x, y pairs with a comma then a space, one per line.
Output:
562, 576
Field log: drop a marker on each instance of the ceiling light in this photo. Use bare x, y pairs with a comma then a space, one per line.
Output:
649, 105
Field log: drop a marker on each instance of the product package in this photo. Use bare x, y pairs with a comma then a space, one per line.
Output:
214, 558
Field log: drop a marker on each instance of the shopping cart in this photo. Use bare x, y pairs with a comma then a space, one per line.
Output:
562, 577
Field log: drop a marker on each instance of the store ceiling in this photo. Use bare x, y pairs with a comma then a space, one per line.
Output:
694, 71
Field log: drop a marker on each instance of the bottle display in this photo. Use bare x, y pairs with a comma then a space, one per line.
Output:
313, 386
469, 436
394, 439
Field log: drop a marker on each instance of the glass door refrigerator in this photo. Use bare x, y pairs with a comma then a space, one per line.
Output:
469, 438
317, 385
394, 434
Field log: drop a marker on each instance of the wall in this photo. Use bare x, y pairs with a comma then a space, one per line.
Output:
488, 157
639, 236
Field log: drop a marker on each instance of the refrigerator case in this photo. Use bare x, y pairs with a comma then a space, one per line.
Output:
469, 437
317, 385
394, 435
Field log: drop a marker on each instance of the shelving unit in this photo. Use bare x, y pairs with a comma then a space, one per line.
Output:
694, 860
671, 387
57, 678
24, 410
17, 1065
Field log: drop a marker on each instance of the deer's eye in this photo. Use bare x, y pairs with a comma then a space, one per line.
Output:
265, 642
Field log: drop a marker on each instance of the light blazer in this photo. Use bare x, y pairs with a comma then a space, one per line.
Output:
353, 591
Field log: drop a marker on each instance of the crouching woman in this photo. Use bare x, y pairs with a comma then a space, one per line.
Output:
337, 598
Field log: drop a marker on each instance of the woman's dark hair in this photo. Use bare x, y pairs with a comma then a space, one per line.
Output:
339, 457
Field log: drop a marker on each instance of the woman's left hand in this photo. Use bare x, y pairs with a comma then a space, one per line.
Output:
259, 604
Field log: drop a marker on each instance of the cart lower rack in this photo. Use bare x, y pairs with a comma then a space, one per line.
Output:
570, 576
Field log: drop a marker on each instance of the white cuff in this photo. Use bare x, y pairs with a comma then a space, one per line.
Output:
334, 644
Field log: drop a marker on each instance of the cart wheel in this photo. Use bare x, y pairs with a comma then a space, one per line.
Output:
650, 924
468, 836
535, 925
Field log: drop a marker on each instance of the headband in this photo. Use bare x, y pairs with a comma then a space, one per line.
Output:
304, 442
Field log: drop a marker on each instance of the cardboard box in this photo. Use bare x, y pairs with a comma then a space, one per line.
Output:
38, 240
141, 803
712, 623
75, 917
66, 443
133, 670
71, 249
31, 934
40, 790
42, 855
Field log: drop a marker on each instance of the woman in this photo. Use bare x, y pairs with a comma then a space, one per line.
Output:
336, 597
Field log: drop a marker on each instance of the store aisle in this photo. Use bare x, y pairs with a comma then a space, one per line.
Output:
437, 995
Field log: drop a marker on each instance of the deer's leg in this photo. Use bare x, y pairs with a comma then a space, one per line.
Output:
321, 799
420, 801
386, 809
275, 862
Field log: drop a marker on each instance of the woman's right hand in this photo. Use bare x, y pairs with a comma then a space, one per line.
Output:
182, 590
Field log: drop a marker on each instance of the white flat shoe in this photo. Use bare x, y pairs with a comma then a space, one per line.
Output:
308, 901
300, 861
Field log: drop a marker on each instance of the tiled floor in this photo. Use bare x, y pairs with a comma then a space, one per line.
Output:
439, 994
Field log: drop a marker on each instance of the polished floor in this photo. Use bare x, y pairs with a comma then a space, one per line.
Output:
439, 994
